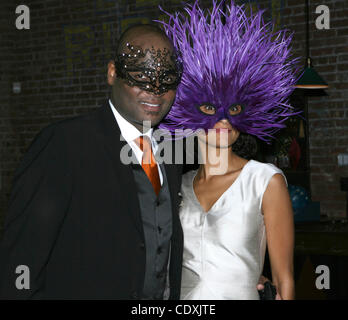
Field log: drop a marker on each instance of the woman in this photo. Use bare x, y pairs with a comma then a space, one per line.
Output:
237, 78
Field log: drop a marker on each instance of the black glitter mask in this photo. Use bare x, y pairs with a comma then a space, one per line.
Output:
158, 74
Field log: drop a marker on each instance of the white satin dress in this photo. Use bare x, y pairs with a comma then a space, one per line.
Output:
224, 248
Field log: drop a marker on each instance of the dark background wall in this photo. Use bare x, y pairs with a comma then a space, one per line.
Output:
328, 116
61, 65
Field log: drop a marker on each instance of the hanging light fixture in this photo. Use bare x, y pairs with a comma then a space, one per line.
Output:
310, 79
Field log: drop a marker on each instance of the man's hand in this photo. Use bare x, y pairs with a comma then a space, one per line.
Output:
260, 286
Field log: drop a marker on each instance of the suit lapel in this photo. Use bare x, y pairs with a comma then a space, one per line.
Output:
114, 145
172, 179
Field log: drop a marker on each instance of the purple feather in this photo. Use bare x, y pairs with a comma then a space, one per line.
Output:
242, 61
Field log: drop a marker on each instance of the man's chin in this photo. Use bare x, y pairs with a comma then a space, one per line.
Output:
150, 121
154, 117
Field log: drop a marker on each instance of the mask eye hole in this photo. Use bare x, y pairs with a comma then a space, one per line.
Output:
139, 76
207, 109
169, 79
235, 109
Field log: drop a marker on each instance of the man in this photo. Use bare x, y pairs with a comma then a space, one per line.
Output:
84, 224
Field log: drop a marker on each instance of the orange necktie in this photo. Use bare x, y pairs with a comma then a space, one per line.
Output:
149, 162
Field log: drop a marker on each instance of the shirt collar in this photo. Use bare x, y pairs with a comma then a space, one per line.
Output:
128, 131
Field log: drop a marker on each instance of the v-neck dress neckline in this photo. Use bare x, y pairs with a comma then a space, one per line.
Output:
235, 182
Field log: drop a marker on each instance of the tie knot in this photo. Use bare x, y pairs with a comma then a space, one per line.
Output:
143, 143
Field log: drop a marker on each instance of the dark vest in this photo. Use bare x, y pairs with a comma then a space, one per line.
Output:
156, 215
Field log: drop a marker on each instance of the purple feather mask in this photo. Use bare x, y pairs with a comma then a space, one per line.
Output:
241, 71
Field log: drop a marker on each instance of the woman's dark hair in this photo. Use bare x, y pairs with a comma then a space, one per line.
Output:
245, 147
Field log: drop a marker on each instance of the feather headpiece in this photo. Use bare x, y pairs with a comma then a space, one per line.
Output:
240, 62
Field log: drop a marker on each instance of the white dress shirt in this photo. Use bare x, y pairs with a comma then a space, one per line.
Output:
130, 133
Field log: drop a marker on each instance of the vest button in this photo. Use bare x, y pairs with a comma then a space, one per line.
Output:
159, 250
142, 245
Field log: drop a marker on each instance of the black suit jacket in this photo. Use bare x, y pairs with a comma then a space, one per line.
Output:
74, 218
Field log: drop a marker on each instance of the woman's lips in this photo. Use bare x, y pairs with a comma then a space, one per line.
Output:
219, 130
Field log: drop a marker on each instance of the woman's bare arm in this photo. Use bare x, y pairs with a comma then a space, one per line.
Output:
279, 223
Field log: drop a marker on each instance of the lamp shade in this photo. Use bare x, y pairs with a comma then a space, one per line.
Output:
310, 79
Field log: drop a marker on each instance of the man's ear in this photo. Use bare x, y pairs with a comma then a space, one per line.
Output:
111, 73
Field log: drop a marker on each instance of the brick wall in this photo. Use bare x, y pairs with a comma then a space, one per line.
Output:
61, 64
328, 123
6, 58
